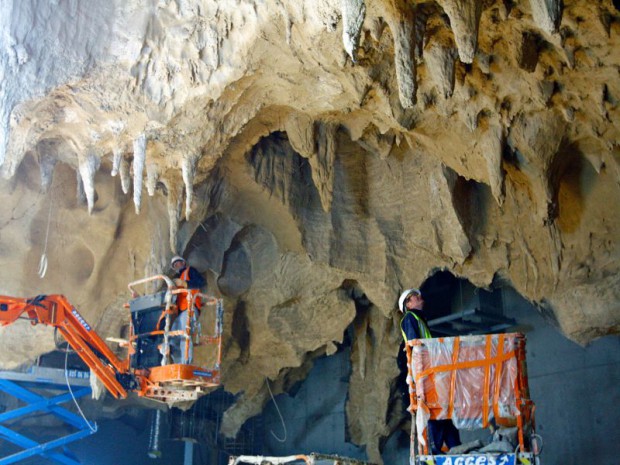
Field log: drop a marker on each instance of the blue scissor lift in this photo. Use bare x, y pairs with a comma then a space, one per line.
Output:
42, 390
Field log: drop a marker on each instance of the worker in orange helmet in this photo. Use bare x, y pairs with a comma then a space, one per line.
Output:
413, 325
189, 278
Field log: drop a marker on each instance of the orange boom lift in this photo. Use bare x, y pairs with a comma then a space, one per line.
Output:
147, 370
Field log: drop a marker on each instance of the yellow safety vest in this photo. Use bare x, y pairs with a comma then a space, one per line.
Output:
426, 333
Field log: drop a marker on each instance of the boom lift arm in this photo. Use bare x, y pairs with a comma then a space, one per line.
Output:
55, 310
148, 369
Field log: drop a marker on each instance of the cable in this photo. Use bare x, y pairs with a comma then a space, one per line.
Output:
539, 447
43, 260
93, 429
278, 410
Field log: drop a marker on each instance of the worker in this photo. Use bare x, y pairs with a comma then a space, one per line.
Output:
189, 278
413, 325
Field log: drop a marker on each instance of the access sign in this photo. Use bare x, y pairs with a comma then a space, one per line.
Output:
502, 459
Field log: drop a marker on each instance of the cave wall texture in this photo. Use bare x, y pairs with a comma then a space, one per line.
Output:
306, 156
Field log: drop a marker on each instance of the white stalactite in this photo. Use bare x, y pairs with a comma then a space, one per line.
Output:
139, 159
547, 14
88, 166
188, 168
464, 20
124, 170
288, 23
80, 194
116, 161
152, 176
353, 13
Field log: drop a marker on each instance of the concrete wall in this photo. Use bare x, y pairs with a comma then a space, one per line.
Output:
315, 415
576, 390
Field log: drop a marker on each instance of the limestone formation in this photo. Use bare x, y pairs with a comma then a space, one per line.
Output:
139, 161
312, 159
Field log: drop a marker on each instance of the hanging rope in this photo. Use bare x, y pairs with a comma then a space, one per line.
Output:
43, 260
278, 410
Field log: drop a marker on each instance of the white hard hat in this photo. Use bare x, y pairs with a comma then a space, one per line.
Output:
175, 259
403, 297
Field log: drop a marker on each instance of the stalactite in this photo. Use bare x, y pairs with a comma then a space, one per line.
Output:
420, 18
464, 20
301, 133
547, 14
323, 163
152, 176
124, 169
289, 28
116, 161
440, 56
80, 194
139, 159
353, 13
87, 167
188, 168
403, 30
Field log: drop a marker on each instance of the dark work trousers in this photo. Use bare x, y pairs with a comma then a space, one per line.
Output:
443, 431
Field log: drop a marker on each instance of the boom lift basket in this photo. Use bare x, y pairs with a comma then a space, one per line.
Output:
149, 370
151, 337
473, 380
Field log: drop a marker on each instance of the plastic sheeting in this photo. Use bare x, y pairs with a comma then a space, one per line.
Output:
471, 379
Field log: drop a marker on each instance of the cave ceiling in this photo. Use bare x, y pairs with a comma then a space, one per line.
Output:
306, 155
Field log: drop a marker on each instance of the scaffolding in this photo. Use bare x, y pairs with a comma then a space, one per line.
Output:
201, 425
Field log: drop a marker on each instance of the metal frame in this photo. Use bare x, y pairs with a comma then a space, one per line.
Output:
463, 322
309, 459
39, 403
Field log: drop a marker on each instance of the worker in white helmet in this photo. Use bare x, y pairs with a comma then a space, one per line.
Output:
413, 325
187, 277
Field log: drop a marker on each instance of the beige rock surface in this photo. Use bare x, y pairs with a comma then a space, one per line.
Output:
289, 148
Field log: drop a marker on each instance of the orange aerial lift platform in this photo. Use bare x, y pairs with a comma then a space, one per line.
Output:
477, 382
148, 368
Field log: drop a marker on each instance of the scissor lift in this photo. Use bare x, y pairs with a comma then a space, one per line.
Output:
46, 400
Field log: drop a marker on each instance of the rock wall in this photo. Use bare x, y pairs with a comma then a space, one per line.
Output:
294, 151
